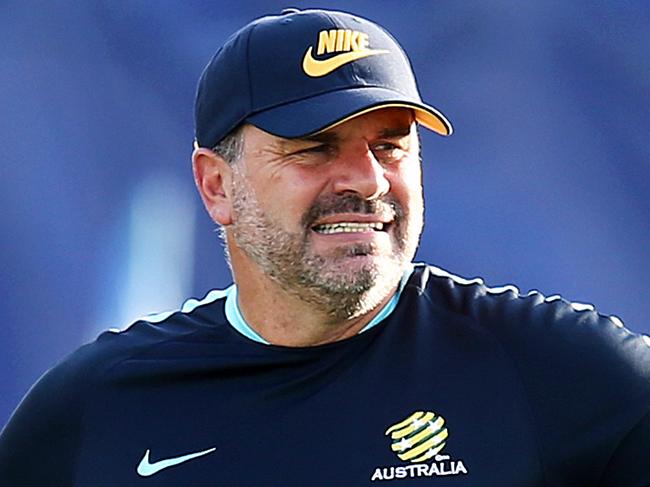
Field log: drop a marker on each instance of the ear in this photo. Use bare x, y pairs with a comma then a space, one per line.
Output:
212, 176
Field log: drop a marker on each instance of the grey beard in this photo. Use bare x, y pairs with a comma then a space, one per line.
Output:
286, 257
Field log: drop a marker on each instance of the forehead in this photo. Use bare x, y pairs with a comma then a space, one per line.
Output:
383, 122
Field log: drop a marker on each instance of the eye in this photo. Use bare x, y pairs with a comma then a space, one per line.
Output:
317, 149
316, 154
388, 152
385, 146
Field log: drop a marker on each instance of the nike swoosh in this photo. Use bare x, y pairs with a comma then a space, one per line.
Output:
317, 68
145, 468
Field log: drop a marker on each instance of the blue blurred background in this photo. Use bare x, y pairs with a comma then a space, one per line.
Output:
544, 184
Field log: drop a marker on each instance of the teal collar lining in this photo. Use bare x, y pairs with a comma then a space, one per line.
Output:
237, 321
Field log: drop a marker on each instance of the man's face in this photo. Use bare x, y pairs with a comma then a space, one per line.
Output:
335, 218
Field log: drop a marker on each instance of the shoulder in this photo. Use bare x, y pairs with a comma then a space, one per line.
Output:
555, 344
585, 375
532, 320
195, 319
49, 418
200, 319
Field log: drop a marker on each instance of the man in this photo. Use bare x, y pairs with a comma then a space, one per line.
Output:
333, 360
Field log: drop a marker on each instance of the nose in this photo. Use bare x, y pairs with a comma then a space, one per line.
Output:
360, 172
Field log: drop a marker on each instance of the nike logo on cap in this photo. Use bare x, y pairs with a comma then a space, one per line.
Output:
315, 68
146, 468
351, 44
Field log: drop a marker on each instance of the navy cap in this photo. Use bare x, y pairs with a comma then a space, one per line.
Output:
303, 72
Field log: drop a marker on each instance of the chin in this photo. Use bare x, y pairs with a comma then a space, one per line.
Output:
358, 274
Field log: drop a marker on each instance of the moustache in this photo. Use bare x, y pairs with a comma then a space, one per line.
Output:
386, 208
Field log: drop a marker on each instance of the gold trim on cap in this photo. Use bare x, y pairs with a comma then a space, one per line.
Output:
433, 120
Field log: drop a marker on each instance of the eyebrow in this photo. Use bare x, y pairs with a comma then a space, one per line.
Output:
320, 137
396, 132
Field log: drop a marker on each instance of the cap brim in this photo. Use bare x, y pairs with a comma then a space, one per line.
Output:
325, 111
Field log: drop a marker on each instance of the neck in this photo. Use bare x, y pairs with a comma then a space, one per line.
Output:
282, 318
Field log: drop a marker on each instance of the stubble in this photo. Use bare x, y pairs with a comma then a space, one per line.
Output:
324, 280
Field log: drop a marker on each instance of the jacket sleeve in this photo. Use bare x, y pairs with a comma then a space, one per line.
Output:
39, 443
587, 380
630, 464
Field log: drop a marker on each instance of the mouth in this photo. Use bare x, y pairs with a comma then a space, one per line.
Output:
351, 218
350, 227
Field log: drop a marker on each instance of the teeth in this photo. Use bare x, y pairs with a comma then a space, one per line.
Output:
348, 227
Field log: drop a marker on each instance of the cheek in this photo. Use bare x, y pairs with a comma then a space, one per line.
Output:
406, 186
287, 199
